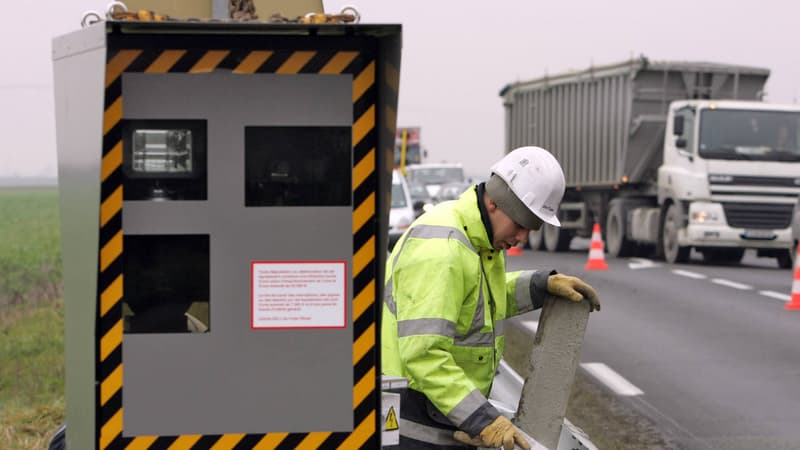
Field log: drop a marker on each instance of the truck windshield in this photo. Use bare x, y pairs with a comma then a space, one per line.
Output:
747, 134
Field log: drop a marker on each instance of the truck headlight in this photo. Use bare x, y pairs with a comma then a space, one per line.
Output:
703, 213
704, 216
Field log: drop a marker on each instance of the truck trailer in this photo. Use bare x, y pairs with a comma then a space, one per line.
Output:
666, 157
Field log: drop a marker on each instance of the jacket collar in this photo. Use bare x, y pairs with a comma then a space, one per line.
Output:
477, 226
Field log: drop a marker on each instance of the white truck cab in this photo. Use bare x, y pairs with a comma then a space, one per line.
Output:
731, 173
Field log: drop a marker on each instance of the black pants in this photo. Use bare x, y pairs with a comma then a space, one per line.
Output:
415, 407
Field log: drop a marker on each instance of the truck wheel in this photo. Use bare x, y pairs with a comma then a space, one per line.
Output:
617, 243
556, 239
536, 239
673, 253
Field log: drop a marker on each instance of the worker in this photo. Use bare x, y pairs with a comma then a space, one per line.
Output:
447, 293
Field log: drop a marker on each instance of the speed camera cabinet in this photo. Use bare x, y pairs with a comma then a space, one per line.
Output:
224, 202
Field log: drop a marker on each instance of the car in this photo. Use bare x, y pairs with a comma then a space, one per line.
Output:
402, 212
420, 198
451, 191
433, 176
795, 232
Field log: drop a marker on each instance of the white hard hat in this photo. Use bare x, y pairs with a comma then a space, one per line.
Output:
535, 178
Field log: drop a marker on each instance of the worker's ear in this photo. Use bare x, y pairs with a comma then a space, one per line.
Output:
491, 206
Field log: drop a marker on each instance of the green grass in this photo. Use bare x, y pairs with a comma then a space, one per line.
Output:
31, 374
31, 319
30, 246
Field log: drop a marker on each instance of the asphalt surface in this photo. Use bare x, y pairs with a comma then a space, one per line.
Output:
707, 352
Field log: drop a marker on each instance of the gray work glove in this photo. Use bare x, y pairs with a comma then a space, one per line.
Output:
572, 288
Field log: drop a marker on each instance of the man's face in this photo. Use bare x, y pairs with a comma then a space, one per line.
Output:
507, 233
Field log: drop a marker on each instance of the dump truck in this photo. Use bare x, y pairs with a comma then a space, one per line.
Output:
667, 156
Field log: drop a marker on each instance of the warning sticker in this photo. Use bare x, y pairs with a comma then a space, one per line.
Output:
289, 294
391, 420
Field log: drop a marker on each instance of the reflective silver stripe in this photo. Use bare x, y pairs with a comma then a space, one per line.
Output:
445, 328
389, 299
522, 291
424, 433
477, 319
500, 327
466, 407
476, 340
439, 232
474, 337
439, 327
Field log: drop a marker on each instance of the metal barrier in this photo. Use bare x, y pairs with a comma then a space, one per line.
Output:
551, 370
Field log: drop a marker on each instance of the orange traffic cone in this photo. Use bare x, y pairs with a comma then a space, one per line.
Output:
794, 303
597, 260
514, 251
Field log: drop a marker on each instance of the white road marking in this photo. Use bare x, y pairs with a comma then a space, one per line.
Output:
612, 379
777, 295
733, 284
686, 273
531, 325
641, 263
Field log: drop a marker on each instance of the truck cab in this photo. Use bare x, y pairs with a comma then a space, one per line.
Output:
729, 180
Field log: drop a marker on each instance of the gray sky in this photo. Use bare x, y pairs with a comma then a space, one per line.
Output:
456, 58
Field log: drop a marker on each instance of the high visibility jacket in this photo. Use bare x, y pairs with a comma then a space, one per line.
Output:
446, 297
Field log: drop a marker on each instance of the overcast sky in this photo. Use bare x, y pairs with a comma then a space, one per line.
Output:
456, 58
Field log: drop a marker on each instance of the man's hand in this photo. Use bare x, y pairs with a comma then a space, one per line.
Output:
572, 288
500, 433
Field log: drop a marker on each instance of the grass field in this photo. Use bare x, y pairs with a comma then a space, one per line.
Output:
31, 318
30, 246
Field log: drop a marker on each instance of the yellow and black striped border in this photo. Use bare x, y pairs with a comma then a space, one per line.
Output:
360, 63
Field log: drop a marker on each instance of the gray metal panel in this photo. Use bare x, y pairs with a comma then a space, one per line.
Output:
80, 41
234, 379
79, 81
617, 130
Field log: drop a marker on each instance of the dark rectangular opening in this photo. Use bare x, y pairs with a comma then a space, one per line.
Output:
166, 283
298, 166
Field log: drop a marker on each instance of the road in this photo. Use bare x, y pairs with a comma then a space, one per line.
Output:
708, 352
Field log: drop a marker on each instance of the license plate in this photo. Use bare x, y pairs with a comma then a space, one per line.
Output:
758, 234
